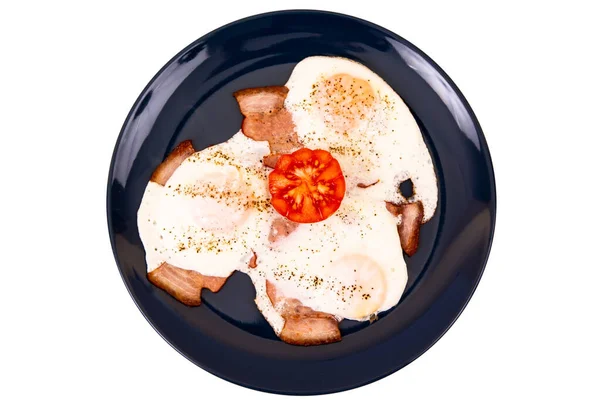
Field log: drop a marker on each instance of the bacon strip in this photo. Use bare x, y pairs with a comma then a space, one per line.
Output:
410, 226
303, 326
252, 262
280, 228
262, 100
163, 172
270, 160
184, 285
277, 128
266, 119
366, 185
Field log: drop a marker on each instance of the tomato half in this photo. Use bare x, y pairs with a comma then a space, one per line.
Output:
307, 185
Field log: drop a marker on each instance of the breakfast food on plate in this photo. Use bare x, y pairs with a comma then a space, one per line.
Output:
197, 218
185, 285
411, 216
304, 199
302, 324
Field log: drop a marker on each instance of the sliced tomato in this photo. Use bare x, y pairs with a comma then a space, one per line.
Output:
307, 185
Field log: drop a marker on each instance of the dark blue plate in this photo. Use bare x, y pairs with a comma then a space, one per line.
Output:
191, 98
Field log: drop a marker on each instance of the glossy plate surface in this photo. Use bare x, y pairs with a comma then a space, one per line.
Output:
191, 98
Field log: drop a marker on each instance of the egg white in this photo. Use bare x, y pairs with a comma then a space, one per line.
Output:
387, 147
351, 265
207, 216
321, 264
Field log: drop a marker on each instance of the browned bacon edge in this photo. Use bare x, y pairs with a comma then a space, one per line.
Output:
410, 225
267, 119
270, 160
184, 285
163, 172
303, 326
256, 101
367, 185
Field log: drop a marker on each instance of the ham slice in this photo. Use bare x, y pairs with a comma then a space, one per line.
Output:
410, 226
303, 326
266, 119
182, 284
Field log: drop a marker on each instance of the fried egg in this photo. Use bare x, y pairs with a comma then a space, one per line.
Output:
342, 106
349, 265
206, 215
214, 213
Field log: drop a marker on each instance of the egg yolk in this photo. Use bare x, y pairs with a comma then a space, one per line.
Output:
219, 199
364, 286
344, 101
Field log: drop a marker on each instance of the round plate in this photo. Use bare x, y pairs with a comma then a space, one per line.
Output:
191, 98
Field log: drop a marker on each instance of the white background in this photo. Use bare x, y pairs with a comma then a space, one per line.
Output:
71, 72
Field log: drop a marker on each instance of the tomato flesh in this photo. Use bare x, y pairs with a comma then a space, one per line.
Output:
307, 185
